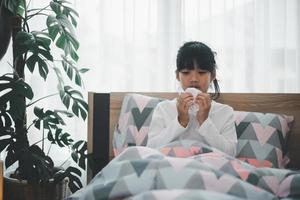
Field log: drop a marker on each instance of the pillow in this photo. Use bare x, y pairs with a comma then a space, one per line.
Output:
262, 138
135, 117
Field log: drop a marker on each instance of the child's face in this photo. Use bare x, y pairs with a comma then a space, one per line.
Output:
196, 78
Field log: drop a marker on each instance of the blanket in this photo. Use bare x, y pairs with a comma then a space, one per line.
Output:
187, 170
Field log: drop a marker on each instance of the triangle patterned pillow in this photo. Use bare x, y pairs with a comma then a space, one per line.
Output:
134, 120
262, 138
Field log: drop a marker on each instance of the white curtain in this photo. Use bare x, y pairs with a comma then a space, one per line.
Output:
131, 45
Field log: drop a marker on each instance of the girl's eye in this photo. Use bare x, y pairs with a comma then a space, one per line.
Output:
185, 72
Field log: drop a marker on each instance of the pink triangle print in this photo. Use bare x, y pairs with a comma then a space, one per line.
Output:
283, 189
123, 121
216, 162
141, 102
181, 152
272, 183
165, 150
263, 133
240, 170
284, 126
240, 116
178, 163
222, 184
139, 135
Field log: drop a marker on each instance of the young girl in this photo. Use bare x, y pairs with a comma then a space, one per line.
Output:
212, 122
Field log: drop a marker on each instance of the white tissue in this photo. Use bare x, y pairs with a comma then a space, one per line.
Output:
194, 108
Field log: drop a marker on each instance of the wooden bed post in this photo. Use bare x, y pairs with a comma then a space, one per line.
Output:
98, 144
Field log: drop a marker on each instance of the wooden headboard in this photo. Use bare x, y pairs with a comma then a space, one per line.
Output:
104, 110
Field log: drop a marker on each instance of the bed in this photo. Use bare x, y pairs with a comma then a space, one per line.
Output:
264, 181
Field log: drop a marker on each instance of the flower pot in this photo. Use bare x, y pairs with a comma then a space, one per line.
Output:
15, 189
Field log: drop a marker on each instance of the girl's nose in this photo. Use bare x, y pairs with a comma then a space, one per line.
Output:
194, 77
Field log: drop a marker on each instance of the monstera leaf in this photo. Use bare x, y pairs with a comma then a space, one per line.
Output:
79, 107
16, 7
14, 91
38, 45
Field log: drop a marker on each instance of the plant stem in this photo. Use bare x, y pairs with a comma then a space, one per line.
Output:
65, 161
39, 141
28, 3
41, 99
39, 11
49, 149
30, 126
32, 15
43, 134
22, 143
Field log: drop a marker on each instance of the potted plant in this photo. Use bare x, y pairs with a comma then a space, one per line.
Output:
33, 50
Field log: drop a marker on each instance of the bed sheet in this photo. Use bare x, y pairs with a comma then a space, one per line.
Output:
187, 171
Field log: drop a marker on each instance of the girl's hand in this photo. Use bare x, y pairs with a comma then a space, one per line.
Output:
184, 101
204, 102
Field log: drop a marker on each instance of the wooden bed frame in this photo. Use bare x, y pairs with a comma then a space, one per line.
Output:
104, 110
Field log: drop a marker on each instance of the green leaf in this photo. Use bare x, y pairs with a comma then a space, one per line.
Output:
70, 73
38, 46
43, 68
78, 104
55, 7
83, 114
65, 138
64, 22
66, 101
74, 22
73, 40
80, 148
83, 104
78, 79
71, 10
46, 54
15, 90
23, 89
16, 7
4, 143
53, 27
74, 181
11, 156
77, 144
75, 108
68, 114
83, 70
37, 124
61, 42
74, 55
60, 26
57, 137
71, 69
75, 93
50, 137
74, 156
30, 62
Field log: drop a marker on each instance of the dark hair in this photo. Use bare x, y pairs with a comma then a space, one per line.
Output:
197, 54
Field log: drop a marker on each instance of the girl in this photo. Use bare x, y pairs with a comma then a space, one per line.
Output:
213, 123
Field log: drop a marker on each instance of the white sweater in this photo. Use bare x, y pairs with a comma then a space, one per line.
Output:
218, 130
